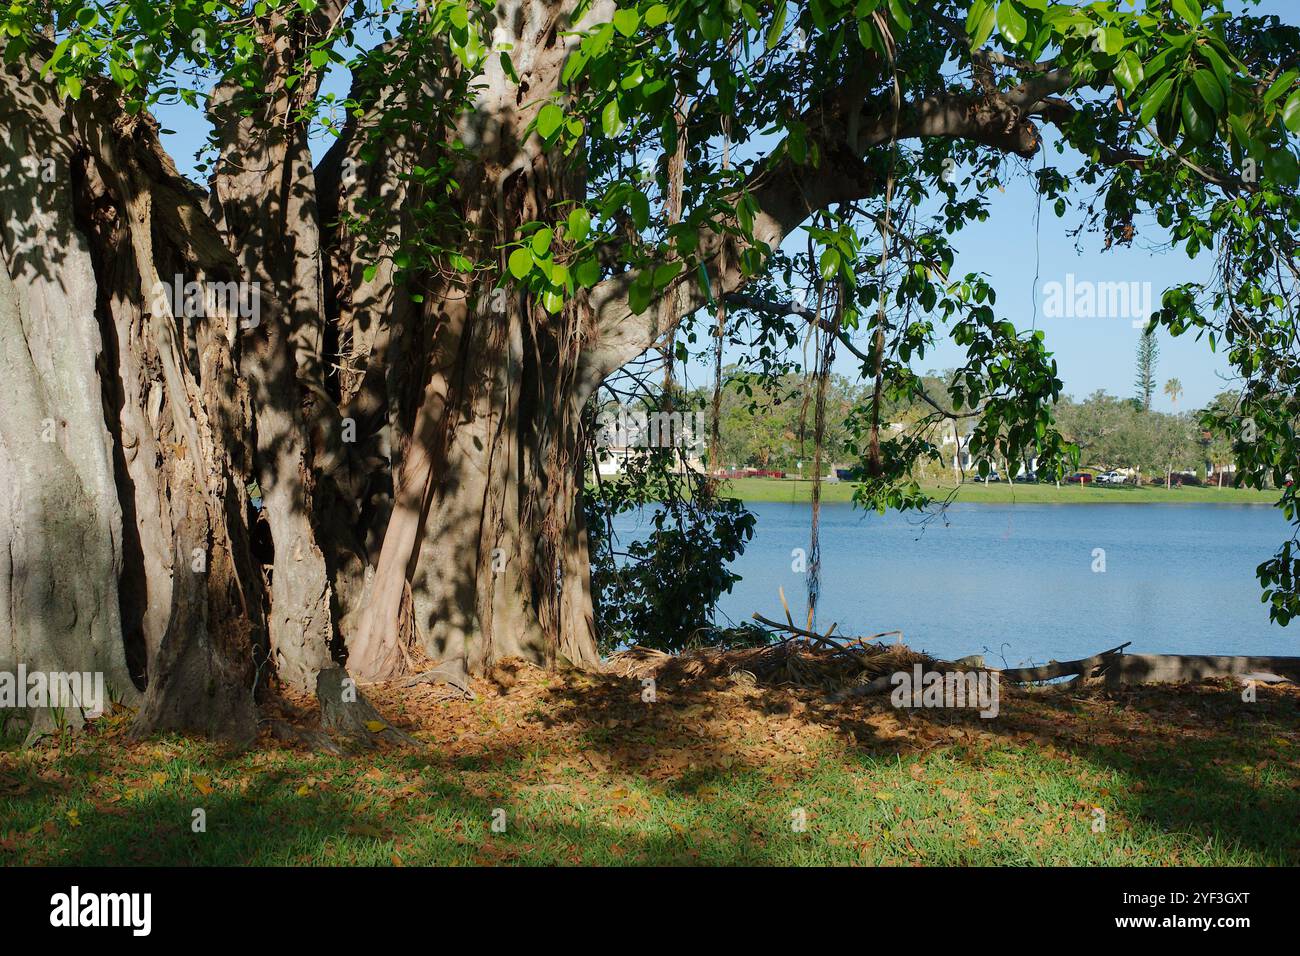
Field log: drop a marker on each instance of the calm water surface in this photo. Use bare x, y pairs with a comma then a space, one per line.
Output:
1017, 583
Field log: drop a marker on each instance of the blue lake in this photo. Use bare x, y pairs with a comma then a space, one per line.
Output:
1017, 582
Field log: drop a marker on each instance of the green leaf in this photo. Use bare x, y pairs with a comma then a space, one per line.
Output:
1011, 24
1291, 112
867, 35
542, 241
520, 263
1110, 41
665, 273
797, 146
319, 58
578, 223
140, 53
1189, 10
640, 208
656, 16
1154, 99
1280, 86
1198, 121
626, 21
1128, 71
549, 120
979, 22
829, 263
638, 297
1280, 166
778, 25
1211, 92
552, 301
1221, 71
587, 272
898, 10
610, 120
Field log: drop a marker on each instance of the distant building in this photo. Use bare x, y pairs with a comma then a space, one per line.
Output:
612, 461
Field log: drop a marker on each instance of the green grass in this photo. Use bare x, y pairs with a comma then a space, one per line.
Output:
772, 489
594, 777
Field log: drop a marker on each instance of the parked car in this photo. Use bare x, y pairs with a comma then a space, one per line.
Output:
1079, 478
1111, 478
1026, 478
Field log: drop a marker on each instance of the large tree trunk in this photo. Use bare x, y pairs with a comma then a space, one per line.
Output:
61, 547
124, 449
485, 532
264, 200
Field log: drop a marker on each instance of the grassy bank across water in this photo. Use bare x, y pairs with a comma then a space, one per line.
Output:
773, 489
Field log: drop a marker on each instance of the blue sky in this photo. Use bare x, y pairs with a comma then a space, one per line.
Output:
1091, 353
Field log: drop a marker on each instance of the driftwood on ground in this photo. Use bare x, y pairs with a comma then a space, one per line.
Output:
1085, 667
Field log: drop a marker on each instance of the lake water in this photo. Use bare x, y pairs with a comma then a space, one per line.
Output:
1016, 582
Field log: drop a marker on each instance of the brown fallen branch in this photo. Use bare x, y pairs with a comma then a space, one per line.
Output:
791, 628
870, 689
1084, 667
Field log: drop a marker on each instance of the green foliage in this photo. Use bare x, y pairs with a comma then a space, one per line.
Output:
662, 589
1147, 356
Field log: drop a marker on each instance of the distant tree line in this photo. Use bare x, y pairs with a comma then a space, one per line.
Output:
770, 427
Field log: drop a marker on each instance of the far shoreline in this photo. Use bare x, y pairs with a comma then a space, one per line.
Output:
799, 490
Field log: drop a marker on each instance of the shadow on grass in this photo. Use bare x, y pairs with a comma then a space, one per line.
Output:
330, 811
589, 773
1195, 760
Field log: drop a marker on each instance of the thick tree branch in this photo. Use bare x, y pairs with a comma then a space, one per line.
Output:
788, 194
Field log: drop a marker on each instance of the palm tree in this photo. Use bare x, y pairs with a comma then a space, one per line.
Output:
1174, 389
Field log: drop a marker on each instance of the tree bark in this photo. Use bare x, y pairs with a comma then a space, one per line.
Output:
61, 547
142, 542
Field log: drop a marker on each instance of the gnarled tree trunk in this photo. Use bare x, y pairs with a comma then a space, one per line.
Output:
127, 442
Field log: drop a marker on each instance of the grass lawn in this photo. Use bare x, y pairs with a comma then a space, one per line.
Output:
711, 773
773, 489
